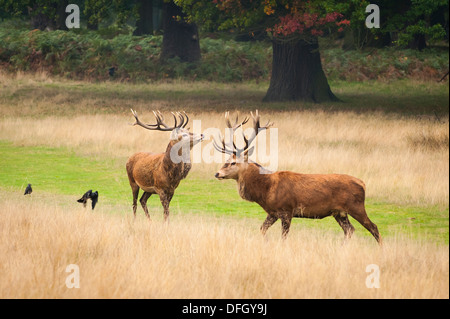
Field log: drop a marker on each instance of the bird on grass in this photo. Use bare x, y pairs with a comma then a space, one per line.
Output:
28, 190
89, 195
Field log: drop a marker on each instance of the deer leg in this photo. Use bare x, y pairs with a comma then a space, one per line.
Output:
135, 191
165, 201
143, 201
285, 225
270, 220
361, 216
343, 221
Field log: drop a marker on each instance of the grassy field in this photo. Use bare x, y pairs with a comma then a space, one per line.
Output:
65, 137
60, 171
198, 256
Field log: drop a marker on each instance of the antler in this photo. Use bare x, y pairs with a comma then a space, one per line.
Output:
223, 148
256, 129
236, 124
160, 125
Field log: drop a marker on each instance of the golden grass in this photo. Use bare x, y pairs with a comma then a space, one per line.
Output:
197, 257
401, 160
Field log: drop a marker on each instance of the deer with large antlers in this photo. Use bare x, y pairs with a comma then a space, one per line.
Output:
161, 173
285, 195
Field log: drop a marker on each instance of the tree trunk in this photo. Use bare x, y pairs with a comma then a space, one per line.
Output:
418, 42
145, 23
60, 19
180, 39
40, 20
297, 73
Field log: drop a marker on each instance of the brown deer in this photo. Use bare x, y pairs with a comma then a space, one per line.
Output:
161, 173
284, 195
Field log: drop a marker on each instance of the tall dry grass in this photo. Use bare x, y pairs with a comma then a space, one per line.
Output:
197, 257
401, 160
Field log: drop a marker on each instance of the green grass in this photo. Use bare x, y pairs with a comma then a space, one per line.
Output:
55, 170
61, 171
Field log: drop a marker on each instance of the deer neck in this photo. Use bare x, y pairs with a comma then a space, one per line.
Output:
253, 186
177, 170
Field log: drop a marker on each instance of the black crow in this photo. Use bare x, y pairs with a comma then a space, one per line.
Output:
85, 197
28, 190
89, 195
94, 198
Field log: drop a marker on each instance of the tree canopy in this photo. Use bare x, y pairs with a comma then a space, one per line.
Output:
410, 23
401, 21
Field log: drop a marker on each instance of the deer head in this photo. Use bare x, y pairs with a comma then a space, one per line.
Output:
238, 160
179, 134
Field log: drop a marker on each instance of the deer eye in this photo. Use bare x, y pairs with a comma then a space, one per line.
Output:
234, 163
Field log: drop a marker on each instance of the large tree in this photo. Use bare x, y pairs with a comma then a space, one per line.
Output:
144, 23
294, 28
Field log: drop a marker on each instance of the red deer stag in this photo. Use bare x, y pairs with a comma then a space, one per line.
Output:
284, 195
161, 173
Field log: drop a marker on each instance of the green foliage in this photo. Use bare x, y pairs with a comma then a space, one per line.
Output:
409, 19
432, 33
89, 55
385, 64
18, 7
12, 8
84, 54
401, 21
99, 11
94, 12
280, 17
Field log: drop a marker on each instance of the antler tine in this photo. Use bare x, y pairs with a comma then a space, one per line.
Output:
175, 121
227, 119
138, 122
256, 122
187, 119
224, 148
268, 124
256, 129
236, 124
157, 115
159, 121
135, 117
255, 119
182, 119
245, 121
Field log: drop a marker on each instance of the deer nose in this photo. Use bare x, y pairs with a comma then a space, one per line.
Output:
216, 175
202, 137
